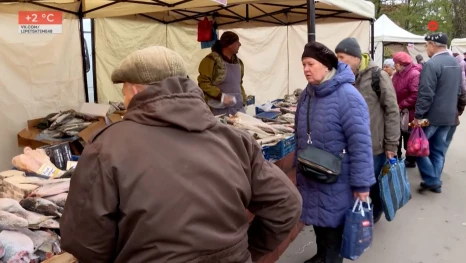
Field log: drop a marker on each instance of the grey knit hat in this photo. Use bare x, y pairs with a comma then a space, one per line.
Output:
150, 65
349, 46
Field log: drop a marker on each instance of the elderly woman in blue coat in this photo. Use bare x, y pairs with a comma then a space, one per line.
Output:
333, 117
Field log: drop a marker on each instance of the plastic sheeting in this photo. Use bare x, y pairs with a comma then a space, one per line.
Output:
272, 55
40, 74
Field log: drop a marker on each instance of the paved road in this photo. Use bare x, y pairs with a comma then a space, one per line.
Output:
431, 228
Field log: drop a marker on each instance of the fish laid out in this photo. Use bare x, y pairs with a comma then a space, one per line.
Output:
52, 188
9, 221
12, 206
50, 224
18, 247
59, 199
41, 206
65, 124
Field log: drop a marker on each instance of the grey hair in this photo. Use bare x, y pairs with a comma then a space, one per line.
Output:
440, 45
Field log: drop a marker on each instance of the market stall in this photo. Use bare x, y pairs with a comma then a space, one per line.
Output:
390, 37
458, 45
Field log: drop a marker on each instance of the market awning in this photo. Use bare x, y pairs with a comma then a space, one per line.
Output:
170, 11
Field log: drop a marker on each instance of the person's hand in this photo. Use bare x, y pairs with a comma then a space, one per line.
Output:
417, 123
229, 100
390, 154
361, 196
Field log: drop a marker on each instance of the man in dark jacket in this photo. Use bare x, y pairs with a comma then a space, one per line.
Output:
383, 109
439, 88
170, 183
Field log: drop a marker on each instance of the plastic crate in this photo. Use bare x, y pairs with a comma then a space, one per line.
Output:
281, 149
265, 152
269, 115
258, 111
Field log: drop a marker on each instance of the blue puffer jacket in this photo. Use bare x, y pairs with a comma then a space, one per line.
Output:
339, 120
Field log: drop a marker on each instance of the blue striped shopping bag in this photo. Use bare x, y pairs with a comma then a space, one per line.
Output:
395, 190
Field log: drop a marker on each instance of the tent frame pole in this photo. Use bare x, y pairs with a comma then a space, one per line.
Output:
311, 21
372, 38
94, 61
83, 52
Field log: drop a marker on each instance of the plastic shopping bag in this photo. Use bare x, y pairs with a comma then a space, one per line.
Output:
418, 144
404, 120
395, 190
357, 233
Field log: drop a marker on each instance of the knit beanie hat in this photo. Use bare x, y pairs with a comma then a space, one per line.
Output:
320, 53
389, 62
349, 46
149, 66
402, 58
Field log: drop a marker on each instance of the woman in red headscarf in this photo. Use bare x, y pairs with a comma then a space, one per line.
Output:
406, 83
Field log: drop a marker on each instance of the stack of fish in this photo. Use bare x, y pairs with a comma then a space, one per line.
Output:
65, 124
27, 228
116, 106
266, 134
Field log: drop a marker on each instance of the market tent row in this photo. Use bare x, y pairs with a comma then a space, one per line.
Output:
45, 72
389, 37
272, 41
458, 45
40, 73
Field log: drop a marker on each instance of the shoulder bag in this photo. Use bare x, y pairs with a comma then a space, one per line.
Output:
317, 164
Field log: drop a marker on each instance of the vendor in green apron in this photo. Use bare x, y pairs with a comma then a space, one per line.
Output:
221, 76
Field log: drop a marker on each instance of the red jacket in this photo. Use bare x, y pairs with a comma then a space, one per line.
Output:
406, 85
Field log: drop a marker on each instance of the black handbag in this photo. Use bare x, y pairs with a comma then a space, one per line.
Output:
317, 164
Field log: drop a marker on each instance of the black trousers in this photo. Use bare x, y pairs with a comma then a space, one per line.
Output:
329, 243
404, 144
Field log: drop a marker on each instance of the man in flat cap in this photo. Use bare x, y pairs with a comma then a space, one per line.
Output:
221, 76
377, 89
170, 183
439, 90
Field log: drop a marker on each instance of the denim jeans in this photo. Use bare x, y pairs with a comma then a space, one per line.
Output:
431, 167
379, 162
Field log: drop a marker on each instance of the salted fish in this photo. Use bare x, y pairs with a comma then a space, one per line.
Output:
9, 221
12, 206
51, 189
41, 206
17, 246
59, 199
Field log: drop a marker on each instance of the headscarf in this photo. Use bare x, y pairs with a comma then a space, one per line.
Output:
402, 58
389, 62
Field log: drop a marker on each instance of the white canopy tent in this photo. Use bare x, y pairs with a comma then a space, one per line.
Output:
389, 35
458, 45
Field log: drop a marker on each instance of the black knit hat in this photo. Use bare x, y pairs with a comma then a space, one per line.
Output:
440, 38
321, 53
349, 46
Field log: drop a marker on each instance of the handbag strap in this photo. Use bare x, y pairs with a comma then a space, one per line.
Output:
308, 123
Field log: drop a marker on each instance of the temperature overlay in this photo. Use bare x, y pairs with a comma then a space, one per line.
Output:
40, 22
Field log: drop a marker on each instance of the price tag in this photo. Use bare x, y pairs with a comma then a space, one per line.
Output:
40, 22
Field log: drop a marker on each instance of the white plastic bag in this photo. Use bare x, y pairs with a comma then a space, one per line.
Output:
404, 118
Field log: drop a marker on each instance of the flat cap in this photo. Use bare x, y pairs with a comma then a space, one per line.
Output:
150, 65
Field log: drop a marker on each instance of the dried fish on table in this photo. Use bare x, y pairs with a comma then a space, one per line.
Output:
247, 127
269, 140
17, 246
59, 199
50, 224
282, 128
289, 117
51, 189
288, 110
9, 221
41, 206
12, 206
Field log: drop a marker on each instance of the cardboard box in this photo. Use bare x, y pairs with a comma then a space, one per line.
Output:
28, 136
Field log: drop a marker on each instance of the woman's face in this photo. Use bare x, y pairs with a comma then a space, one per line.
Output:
314, 71
388, 69
399, 67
